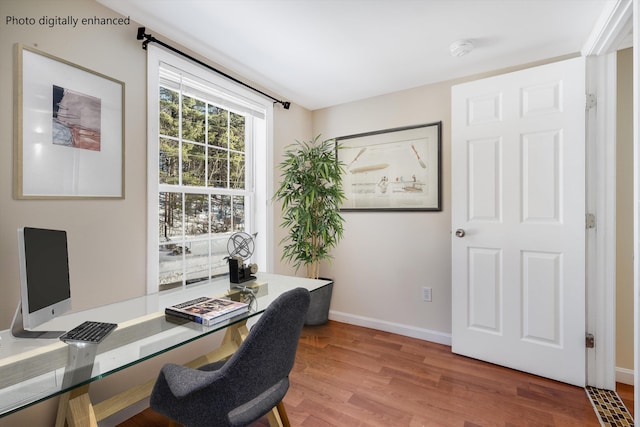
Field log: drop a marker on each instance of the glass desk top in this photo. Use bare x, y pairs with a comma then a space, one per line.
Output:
32, 370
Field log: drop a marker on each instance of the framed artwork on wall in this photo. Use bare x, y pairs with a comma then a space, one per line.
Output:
68, 130
395, 169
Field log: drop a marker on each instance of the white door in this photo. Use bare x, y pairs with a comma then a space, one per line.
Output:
518, 219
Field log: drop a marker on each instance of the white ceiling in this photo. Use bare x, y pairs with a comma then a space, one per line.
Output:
320, 53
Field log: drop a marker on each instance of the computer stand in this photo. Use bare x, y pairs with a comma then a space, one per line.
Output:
80, 363
18, 330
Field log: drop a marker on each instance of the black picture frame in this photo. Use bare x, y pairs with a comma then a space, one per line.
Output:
398, 169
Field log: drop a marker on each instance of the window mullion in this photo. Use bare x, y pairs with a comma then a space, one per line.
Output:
180, 138
229, 150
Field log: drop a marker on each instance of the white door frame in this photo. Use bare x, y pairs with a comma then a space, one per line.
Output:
601, 239
636, 203
612, 28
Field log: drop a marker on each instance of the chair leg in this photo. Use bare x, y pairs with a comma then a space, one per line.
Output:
278, 416
283, 414
274, 418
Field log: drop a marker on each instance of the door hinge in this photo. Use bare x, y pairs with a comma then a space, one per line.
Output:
591, 101
590, 341
590, 221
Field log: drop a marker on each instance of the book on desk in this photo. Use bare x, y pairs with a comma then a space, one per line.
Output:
207, 311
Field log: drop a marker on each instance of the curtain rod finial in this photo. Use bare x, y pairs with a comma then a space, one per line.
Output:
286, 105
141, 34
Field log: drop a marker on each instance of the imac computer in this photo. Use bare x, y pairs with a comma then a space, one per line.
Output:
45, 289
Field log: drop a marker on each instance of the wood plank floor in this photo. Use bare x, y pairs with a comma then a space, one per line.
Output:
352, 376
625, 391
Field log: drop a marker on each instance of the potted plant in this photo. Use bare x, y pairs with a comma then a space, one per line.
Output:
311, 194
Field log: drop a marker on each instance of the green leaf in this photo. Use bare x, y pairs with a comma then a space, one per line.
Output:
311, 194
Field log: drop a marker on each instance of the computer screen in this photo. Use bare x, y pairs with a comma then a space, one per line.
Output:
45, 288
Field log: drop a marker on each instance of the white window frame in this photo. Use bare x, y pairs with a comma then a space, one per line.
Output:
259, 160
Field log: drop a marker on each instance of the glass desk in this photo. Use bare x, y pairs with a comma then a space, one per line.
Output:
32, 370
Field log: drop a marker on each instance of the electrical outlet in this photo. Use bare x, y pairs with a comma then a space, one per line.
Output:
426, 294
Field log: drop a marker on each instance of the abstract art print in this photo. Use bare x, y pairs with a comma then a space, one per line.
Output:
76, 119
69, 130
394, 169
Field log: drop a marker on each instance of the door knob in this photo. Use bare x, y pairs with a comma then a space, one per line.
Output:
460, 232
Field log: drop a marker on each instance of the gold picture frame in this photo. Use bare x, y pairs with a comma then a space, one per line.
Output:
68, 130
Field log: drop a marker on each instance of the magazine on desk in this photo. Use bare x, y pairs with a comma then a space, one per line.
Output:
207, 311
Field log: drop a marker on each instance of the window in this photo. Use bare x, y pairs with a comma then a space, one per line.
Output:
208, 151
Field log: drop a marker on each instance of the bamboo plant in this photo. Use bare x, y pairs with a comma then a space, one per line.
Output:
311, 194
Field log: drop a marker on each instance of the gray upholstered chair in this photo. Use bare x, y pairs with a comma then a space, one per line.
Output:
248, 385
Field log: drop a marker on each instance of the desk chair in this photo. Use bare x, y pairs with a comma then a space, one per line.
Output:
251, 383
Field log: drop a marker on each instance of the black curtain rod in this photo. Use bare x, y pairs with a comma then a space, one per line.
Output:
148, 38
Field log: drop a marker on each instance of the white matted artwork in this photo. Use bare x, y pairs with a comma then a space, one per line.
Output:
394, 169
69, 130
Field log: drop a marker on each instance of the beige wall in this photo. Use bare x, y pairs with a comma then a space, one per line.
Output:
107, 239
387, 257
624, 212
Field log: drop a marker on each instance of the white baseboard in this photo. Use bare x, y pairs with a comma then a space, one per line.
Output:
396, 328
624, 376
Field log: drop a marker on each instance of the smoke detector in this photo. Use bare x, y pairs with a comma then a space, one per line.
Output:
460, 47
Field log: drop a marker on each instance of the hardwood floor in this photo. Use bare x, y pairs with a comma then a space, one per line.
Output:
352, 376
625, 392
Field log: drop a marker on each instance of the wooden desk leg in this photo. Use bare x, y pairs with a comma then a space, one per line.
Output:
81, 412
233, 337
63, 405
75, 409
236, 333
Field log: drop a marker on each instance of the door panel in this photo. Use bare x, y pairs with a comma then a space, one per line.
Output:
485, 202
485, 289
518, 272
541, 290
541, 186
